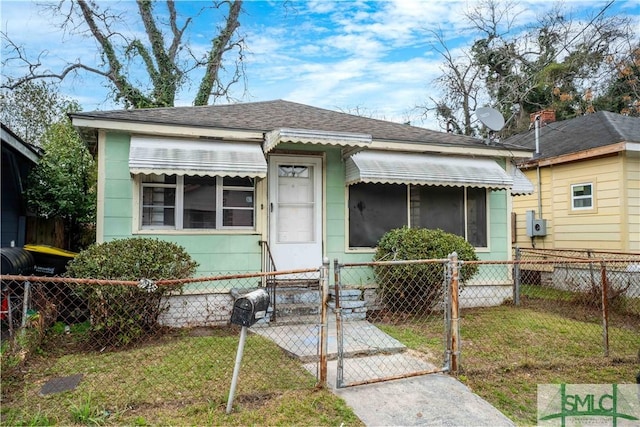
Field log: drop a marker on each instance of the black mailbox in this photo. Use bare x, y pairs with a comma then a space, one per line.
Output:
250, 308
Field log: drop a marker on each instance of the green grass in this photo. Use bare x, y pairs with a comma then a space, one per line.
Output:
178, 381
507, 351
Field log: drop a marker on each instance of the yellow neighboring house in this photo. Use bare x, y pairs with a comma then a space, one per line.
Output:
586, 175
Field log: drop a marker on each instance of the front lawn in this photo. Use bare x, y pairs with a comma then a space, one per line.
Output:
181, 380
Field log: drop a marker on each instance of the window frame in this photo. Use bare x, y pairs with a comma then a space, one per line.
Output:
590, 197
179, 207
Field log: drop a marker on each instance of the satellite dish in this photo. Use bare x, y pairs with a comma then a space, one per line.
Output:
490, 117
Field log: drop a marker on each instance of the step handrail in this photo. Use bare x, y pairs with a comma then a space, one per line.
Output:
268, 282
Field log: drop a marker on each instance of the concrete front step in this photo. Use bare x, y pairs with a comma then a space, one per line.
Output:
310, 319
297, 296
286, 310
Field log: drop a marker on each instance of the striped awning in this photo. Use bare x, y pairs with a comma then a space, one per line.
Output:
174, 156
521, 184
307, 136
425, 169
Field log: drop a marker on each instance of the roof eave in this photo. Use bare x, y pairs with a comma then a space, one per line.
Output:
169, 129
436, 147
579, 155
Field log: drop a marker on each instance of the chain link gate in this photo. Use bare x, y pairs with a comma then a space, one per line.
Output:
394, 319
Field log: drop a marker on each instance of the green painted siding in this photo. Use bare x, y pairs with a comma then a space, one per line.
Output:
220, 253
499, 244
216, 253
118, 188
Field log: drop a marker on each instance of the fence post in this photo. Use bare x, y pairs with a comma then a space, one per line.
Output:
324, 336
516, 277
339, 337
605, 308
454, 349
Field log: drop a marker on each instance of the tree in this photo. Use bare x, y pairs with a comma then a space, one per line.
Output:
550, 64
62, 185
460, 84
29, 109
164, 55
622, 92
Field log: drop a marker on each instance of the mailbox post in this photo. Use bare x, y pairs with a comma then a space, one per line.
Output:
247, 310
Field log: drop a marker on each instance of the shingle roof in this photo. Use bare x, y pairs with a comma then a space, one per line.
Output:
581, 133
270, 115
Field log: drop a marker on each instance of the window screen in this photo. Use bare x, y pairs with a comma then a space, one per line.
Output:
438, 207
477, 217
375, 209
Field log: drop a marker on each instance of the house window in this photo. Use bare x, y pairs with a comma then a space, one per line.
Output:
375, 209
195, 202
582, 196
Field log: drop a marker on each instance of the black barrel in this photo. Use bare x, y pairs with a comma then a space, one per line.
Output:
16, 261
49, 260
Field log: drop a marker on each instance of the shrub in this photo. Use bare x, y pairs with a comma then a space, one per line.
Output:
418, 287
121, 314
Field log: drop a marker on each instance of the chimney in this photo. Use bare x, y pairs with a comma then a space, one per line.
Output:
546, 116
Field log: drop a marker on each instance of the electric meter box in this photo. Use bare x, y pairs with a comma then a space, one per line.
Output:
535, 227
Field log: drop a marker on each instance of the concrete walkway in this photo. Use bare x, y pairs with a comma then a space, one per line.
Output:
427, 400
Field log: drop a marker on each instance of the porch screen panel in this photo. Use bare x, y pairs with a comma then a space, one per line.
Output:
438, 207
477, 217
375, 209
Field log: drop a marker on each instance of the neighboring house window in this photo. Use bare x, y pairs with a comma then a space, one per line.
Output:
195, 202
582, 196
375, 209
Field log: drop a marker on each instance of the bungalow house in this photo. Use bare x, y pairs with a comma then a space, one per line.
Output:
18, 157
230, 182
586, 175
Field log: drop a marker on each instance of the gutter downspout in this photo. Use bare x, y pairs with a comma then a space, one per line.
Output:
537, 154
536, 126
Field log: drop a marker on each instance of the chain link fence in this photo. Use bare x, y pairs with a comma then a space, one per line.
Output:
392, 319
534, 312
148, 348
158, 346
550, 312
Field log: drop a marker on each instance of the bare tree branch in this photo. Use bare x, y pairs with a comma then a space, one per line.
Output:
163, 57
219, 45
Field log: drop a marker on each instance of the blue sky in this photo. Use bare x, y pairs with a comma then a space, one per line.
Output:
373, 57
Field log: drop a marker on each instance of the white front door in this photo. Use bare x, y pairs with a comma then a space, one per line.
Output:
295, 211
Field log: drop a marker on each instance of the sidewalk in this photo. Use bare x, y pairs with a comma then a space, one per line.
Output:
427, 400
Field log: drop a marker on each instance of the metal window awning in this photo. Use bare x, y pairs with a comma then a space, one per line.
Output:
521, 184
425, 169
351, 142
156, 155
